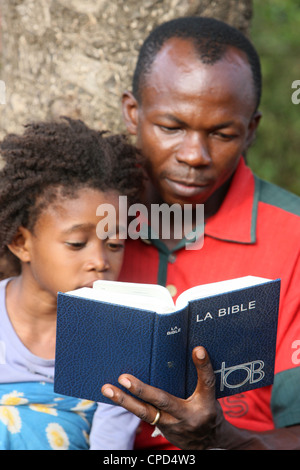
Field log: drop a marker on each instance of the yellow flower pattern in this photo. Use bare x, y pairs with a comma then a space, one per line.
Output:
10, 416
43, 408
57, 437
13, 399
33, 417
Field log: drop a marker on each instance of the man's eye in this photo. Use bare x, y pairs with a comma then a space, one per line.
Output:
223, 136
169, 129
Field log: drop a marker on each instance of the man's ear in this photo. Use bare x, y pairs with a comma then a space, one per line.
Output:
252, 128
20, 244
130, 112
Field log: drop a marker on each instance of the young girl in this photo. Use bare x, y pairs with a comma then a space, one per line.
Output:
54, 177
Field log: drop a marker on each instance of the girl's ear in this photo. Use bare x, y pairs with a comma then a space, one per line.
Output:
20, 244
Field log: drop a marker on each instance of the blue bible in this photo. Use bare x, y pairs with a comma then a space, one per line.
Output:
117, 327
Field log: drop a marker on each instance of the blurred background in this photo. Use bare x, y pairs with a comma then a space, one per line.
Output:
275, 31
68, 57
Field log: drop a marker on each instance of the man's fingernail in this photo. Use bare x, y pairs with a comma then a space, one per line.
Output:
200, 354
125, 382
108, 392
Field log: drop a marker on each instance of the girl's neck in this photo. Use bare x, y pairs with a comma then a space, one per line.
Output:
33, 316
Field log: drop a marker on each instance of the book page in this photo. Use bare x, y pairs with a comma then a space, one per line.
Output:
144, 296
215, 288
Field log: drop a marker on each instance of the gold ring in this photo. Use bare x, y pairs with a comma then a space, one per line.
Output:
156, 419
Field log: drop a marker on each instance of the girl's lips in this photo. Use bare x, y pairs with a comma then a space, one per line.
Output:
89, 284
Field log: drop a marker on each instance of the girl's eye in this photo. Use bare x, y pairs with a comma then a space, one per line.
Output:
76, 245
115, 246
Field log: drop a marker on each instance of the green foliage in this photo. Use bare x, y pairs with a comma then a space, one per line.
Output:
275, 33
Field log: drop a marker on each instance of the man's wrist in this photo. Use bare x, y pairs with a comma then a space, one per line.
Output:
229, 437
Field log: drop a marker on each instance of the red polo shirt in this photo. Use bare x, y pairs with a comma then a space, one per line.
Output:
255, 232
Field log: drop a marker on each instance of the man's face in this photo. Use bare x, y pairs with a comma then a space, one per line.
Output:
193, 121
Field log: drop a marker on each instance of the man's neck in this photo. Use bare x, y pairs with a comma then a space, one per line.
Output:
213, 204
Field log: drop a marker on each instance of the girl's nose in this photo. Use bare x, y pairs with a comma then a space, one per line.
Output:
98, 261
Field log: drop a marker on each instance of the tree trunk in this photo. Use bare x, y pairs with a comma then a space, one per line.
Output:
74, 57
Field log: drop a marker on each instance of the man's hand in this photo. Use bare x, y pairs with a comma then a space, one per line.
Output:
188, 424
198, 422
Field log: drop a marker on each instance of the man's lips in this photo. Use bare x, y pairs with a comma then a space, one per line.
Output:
186, 188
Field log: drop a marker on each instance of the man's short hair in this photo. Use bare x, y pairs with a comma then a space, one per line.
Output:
211, 38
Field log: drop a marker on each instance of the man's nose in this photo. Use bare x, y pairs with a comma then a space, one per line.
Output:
193, 150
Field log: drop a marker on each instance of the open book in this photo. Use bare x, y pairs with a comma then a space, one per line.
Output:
133, 328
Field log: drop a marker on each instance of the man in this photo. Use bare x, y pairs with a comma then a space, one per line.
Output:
194, 112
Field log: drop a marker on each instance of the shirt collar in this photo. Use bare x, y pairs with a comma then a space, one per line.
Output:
235, 220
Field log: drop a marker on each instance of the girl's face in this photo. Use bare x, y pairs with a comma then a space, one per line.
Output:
64, 252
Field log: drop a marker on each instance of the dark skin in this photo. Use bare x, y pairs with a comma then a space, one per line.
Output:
197, 423
192, 124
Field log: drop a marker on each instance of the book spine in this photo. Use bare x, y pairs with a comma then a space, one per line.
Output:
168, 365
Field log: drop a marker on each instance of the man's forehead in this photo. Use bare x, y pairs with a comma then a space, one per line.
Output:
177, 66
182, 53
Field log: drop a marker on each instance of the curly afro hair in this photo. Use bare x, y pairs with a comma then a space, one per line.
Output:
65, 155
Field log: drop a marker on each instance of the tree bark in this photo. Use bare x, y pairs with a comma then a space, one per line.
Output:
69, 57
75, 58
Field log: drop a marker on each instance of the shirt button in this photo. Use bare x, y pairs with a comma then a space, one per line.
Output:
172, 289
172, 258
146, 241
